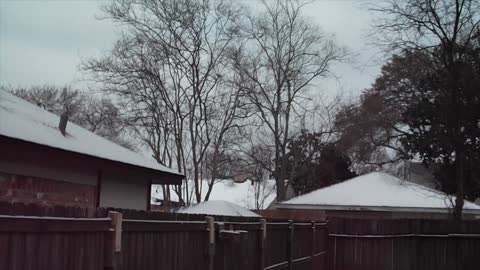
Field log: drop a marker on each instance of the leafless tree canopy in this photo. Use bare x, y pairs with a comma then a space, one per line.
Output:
425, 24
196, 77
282, 55
170, 71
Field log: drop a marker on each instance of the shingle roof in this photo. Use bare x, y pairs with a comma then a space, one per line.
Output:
22, 120
377, 189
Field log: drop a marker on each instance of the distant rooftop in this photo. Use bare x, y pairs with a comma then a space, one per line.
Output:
375, 190
24, 121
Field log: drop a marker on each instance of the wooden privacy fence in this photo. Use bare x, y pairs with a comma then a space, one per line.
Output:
154, 244
55, 243
140, 240
116, 243
403, 244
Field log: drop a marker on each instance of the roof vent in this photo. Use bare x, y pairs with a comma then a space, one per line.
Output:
63, 123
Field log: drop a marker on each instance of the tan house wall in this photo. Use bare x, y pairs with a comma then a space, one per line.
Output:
122, 192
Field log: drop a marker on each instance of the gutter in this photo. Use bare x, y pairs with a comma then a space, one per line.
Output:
286, 206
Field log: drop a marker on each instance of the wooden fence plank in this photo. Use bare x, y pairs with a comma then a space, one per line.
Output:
403, 244
290, 240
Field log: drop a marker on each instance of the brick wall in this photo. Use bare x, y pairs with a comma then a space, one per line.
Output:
28, 189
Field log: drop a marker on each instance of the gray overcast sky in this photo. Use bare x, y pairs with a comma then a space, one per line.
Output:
42, 42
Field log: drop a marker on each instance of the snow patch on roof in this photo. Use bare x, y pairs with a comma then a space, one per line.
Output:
22, 120
220, 208
378, 189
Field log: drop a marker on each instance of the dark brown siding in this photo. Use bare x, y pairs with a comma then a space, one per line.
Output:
27, 152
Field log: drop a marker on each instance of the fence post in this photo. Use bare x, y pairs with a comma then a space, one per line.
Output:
117, 227
113, 241
290, 240
314, 239
211, 242
263, 236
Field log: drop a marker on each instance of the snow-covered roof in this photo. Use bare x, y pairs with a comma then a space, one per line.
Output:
258, 196
219, 208
373, 191
24, 121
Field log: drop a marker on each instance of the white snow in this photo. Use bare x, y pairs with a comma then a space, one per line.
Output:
377, 189
22, 120
220, 208
244, 194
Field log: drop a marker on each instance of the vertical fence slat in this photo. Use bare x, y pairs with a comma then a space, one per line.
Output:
313, 261
211, 242
290, 239
262, 237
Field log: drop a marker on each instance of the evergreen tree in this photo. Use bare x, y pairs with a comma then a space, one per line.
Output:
313, 163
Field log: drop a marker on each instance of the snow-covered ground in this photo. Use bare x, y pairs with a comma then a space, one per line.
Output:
219, 208
257, 196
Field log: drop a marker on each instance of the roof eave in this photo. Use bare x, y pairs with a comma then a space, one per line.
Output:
372, 208
158, 176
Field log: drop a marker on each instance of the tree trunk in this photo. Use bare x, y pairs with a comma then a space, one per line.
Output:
280, 182
459, 175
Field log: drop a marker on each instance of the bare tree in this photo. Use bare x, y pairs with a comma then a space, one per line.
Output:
253, 162
101, 116
54, 99
283, 55
262, 191
169, 70
442, 29
369, 127
258, 161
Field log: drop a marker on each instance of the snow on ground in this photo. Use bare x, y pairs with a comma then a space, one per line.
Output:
244, 194
220, 208
25, 121
378, 189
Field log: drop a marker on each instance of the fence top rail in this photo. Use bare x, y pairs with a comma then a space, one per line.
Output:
237, 223
308, 224
54, 218
298, 223
221, 222
53, 225
165, 221
405, 235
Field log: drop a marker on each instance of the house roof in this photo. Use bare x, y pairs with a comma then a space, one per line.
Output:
24, 121
376, 191
219, 208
